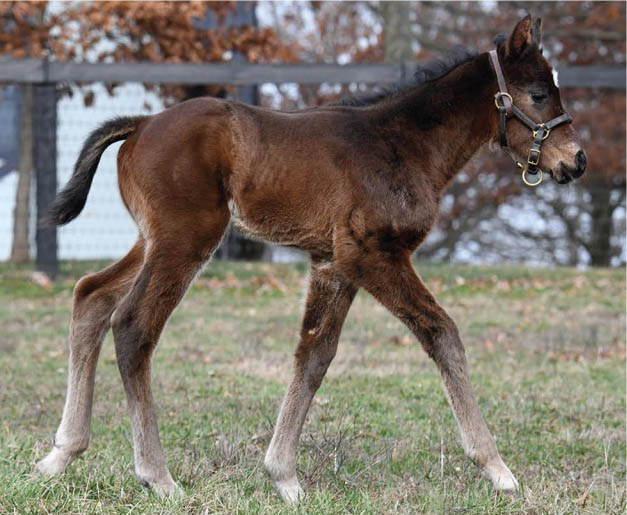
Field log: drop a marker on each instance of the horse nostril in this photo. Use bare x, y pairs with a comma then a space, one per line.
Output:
581, 161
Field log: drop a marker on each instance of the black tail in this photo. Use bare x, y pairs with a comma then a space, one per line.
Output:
71, 200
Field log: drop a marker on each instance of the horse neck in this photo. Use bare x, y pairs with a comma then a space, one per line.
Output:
444, 122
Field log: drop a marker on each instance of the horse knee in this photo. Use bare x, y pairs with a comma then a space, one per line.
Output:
450, 351
443, 344
314, 362
318, 371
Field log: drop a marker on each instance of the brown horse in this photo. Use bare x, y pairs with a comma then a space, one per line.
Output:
357, 185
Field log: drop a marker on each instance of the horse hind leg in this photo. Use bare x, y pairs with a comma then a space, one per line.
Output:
95, 298
171, 263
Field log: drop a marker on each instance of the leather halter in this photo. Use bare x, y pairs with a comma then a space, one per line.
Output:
539, 131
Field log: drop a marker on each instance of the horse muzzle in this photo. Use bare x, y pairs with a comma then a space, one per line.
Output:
565, 173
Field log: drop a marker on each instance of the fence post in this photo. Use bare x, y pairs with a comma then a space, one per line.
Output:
45, 131
245, 15
235, 245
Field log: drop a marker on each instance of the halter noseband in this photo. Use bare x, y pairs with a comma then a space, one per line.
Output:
539, 131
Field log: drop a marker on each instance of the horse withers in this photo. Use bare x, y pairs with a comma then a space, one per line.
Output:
357, 185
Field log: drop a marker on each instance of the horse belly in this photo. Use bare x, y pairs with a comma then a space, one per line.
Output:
283, 222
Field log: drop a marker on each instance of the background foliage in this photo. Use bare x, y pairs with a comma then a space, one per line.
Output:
488, 215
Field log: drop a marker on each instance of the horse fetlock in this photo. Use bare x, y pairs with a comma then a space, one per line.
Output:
72, 442
480, 447
283, 478
276, 468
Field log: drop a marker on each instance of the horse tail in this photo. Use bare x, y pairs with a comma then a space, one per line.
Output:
71, 200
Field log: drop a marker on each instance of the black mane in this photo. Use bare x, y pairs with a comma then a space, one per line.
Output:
427, 72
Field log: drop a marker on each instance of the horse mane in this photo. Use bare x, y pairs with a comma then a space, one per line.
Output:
425, 73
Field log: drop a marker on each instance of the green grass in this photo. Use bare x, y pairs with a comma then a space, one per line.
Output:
546, 349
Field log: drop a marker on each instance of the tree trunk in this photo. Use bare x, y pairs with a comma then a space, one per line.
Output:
397, 31
21, 214
600, 246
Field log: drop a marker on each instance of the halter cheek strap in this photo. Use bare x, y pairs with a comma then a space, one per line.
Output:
540, 131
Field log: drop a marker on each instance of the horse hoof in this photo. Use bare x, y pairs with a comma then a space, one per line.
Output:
170, 491
53, 464
502, 478
290, 491
163, 487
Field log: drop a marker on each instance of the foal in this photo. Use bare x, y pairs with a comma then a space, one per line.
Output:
357, 185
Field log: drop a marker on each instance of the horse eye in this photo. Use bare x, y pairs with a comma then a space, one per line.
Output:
538, 98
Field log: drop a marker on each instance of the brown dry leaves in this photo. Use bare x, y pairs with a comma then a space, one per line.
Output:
259, 284
140, 31
133, 32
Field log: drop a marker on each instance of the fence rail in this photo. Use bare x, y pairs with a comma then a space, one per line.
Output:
41, 71
45, 74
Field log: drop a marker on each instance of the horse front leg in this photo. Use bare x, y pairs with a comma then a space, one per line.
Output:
396, 285
328, 301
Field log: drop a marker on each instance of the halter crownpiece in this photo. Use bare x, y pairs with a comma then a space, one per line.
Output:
539, 131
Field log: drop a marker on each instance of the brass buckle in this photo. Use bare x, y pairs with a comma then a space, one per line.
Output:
502, 94
543, 127
532, 184
534, 163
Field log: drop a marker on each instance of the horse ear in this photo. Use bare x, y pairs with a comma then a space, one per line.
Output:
520, 37
536, 32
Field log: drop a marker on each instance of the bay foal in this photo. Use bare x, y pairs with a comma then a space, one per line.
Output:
357, 185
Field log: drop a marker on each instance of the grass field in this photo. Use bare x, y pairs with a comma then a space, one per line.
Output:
547, 357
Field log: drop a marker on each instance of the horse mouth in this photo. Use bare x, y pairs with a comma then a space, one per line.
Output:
564, 179
562, 176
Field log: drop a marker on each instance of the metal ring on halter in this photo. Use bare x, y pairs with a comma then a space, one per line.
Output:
524, 178
501, 94
546, 134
